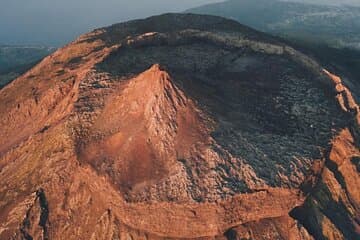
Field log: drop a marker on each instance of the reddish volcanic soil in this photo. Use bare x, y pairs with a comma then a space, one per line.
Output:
179, 127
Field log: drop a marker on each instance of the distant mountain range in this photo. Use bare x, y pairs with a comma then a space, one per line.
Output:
328, 2
337, 25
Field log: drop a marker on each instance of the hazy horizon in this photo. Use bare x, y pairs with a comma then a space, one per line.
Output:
54, 23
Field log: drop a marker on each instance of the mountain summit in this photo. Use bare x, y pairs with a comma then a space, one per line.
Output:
178, 126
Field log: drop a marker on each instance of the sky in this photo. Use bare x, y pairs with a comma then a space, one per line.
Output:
56, 22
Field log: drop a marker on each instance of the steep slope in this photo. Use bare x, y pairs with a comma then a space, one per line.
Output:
178, 126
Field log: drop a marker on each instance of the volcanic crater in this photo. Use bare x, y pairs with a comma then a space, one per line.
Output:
178, 126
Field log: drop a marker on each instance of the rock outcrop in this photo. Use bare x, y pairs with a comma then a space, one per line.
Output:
178, 126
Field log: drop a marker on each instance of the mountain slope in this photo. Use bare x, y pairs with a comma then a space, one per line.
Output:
336, 25
178, 126
328, 2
